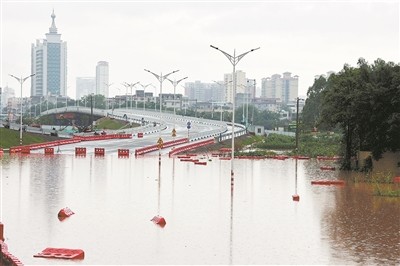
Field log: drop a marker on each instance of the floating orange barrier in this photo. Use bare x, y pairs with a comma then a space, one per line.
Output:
327, 168
26, 150
61, 253
65, 212
159, 220
48, 151
80, 151
326, 158
123, 152
183, 157
99, 151
328, 182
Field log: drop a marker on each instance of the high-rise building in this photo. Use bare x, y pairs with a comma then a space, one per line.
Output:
204, 92
102, 78
49, 64
85, 86
283, 88
241, 85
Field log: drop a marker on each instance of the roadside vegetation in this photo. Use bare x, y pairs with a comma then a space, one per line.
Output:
114, 124
10, 138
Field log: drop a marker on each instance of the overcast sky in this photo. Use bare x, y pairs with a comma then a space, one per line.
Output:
305, 38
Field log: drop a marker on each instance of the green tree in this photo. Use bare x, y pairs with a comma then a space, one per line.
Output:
312, 109
365, 103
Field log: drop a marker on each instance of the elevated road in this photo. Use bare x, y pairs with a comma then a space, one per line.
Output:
154, 126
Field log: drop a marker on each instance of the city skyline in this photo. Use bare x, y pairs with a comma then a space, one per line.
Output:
307, 38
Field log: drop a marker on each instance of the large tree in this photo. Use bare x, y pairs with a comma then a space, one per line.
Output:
365, 103
312, 108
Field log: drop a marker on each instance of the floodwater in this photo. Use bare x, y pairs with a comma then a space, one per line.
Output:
257, 222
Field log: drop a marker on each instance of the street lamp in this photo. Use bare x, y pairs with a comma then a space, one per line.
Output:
161, 78
21, 81
130, 85
234, 61
175, 83
144, 95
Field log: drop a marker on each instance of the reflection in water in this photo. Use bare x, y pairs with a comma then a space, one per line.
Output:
209, 220
364, 227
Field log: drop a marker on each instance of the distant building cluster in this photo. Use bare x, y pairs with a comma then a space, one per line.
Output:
49, 64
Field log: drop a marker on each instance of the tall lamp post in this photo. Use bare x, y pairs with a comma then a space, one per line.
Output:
129, 85
297, 124
161, 78
21, 81
144, 95
175, 83
234, 61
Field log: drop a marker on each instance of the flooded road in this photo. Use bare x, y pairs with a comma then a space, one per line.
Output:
257, 222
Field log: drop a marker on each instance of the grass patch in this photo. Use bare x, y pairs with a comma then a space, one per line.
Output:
10, 138
114, 124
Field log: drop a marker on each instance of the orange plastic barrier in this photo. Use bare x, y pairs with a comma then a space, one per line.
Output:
159, 220
201, 163
99, 151
140, 135
80, 151
123, 152
191, 146
155, 147
1, 231
327, 168
7, 258
296, 197
61, 253
328, 182
65, 212
49, 151
326, 158
26, 150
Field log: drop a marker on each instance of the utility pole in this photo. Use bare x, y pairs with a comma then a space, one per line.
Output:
234, 60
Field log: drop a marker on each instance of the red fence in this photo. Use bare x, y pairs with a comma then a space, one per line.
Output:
103, 137
155, 147
75, 139
192, 146
42, 145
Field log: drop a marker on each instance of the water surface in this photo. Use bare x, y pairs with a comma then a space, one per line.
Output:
257, 222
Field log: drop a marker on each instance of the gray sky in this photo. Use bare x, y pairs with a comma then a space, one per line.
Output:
305, 38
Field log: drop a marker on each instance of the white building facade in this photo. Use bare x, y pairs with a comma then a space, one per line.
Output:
49, 64
241, 85
283, 88
102, 84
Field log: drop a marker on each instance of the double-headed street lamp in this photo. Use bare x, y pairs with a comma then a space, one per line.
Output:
161, 78
175, 83
130, 85
21, 81
234, 61
144, 94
